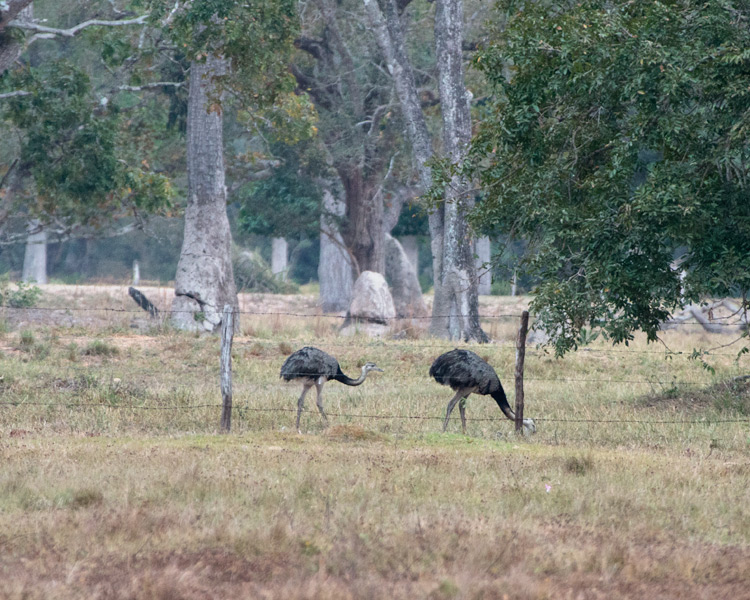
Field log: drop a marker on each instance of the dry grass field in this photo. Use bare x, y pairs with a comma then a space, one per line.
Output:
115, 483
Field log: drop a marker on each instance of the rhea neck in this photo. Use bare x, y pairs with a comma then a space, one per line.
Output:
349, 381
502, 402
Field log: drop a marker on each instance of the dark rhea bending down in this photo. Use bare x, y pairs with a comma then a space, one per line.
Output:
467, 373
314, 367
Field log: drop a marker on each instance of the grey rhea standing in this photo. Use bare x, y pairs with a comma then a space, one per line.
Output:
314, 367
467, 373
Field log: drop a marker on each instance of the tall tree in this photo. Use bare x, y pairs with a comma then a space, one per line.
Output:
232, 45
338, 67
68, 170
456, 304
619, 144
204, 282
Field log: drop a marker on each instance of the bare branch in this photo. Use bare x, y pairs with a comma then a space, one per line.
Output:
172, 13
64, 233
348, 72
147, 86
8, 173
14, 94
312, 46
73, 31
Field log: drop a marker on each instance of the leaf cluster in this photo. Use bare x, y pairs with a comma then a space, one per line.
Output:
618, 144
288, 203
72, 147
255, 36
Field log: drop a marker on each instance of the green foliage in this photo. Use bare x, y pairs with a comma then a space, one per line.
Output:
413, 220
618, 144
100, 348
253, 274
29, 344
287, 204
24, 295
256, 36
73, 147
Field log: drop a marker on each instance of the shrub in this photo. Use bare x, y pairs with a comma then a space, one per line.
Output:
253, 274
99, 348
23, 296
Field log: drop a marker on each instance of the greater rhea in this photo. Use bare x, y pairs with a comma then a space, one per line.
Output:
314, 367
467, 373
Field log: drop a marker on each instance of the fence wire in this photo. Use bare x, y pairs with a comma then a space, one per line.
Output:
256, 348
317, 315
244, 409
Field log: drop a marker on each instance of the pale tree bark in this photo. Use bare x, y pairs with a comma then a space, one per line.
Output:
455, 311
35, 256
409, 244
403, 281
279, 257
11, 49
205, 281
459, 297
484, 272
335, 270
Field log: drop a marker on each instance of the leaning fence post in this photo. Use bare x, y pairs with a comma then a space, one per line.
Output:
227, 335
520, 355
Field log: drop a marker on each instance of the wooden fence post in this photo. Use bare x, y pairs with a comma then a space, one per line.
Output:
227, 335
520, 356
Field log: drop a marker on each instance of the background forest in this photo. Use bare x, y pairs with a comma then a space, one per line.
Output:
601, 148
288, 145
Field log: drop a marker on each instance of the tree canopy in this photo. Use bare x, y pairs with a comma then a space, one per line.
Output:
73, 146
255, 36
617, 143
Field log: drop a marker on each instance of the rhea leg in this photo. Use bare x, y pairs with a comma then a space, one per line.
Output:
319, 387
462, 410
301, 402
451, 406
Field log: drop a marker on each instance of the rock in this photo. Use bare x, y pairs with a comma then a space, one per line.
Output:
402, 277
371, 309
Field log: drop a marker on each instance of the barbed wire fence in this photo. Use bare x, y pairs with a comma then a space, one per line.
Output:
227, 407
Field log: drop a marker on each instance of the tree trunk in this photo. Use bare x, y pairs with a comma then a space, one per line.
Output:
458, 297
363, 228
10, 47
35, 257
335, 267
455, 310
403, 281
409, 244
205, 281
484, 270
279, 254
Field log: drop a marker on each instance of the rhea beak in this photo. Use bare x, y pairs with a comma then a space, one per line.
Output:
378, 369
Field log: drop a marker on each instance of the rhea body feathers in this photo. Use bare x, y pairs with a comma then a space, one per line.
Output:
467, 373
314, 367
